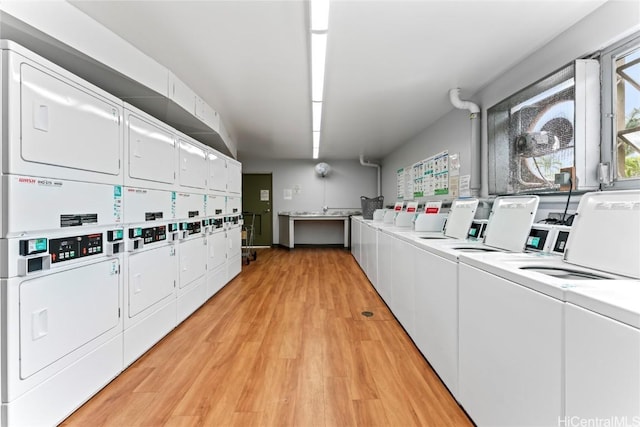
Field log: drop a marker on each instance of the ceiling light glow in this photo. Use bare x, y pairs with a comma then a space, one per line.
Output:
318, 56
319, 15
319, 11
316, 109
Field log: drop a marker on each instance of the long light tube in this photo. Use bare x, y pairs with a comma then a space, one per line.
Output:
318, 56
316, 110
319, 10
319, 15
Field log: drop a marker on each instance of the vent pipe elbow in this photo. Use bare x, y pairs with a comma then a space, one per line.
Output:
454, 97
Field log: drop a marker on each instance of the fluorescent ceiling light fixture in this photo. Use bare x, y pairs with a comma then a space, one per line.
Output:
316, 110
319, 15
316, 152
318, 54
316, 140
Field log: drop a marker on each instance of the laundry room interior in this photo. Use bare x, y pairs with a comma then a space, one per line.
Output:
320, 212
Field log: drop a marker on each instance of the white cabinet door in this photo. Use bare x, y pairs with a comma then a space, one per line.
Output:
217, 172
234, 171
64, 129
193, 167
602, 367
436, 315
61, 312
192, 260
385, 262
151, 153
152, 277
402, 288
510, 352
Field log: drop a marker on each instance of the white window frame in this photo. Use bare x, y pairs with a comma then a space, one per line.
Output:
608, 150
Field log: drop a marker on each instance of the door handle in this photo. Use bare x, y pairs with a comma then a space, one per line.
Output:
267, 210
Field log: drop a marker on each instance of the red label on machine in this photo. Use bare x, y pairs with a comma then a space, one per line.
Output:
431, 210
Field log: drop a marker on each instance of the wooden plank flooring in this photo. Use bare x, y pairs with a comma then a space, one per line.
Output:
283, 344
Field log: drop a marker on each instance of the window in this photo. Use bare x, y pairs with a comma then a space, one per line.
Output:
627, 114
621, 104
549, 127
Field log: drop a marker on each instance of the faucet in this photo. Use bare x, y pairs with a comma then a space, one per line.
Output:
325, 209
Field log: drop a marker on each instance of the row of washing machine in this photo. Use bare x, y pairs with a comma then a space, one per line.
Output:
114, 228
547, 337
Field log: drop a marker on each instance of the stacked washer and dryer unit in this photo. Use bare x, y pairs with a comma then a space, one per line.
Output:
112, 233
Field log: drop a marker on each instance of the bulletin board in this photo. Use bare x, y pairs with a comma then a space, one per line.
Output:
428, 177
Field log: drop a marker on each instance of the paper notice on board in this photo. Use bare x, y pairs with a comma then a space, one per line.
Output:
454, 190
465, 186
264, 195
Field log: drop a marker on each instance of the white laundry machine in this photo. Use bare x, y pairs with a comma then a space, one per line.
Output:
150, 154
217, 181
512, 316
192, 252
602, 352
436, 273
62, 321
150, 269
457, 223
36, 204
216, 237
233, 226
193, 167
56, 125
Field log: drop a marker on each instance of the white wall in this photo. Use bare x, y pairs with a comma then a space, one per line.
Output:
452, 132
613, 21
341, 190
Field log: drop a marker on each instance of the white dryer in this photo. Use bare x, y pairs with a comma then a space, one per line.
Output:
192, 252
193, 167
233, 225
150, 154
62, 321
56, 125
216, 237
150, 269
217, 181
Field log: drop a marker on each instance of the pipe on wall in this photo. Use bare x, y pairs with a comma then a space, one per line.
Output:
371, 165
474, 109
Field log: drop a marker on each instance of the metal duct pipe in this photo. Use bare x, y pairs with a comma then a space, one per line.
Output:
371, 165
474, 109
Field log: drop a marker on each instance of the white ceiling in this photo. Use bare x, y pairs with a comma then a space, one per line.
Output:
389, 64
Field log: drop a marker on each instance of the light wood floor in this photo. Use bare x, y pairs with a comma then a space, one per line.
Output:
284, 343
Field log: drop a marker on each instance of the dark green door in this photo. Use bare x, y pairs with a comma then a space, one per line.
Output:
257, 196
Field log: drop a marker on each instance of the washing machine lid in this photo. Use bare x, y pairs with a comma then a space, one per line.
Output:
510, 222
460, 218
605, 233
